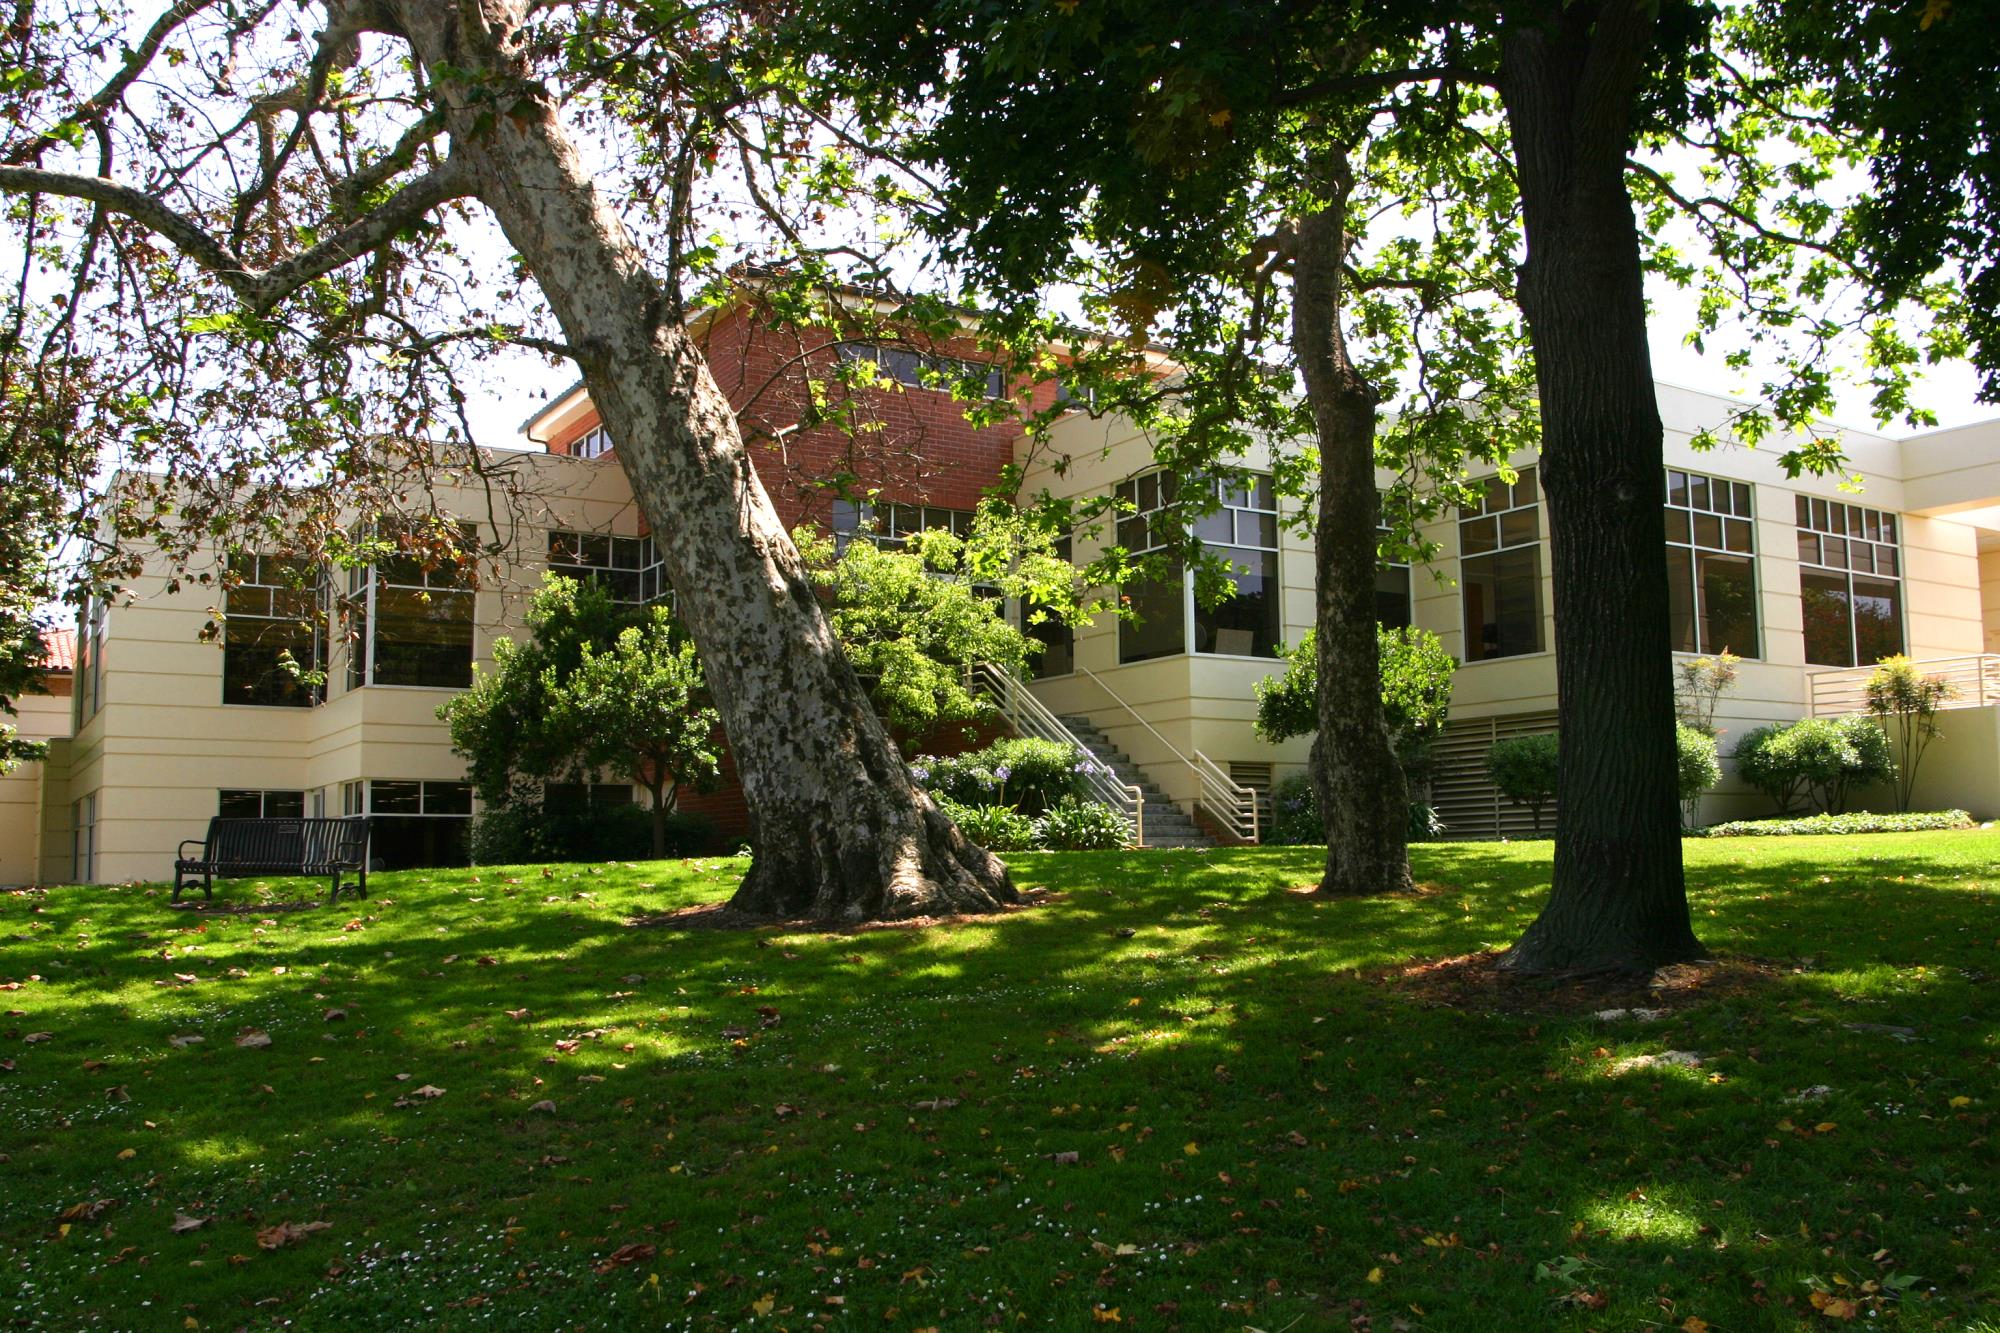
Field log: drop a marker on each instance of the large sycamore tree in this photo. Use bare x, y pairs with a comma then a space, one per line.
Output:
261, 241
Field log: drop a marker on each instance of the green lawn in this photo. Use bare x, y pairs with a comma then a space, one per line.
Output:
1164, 1093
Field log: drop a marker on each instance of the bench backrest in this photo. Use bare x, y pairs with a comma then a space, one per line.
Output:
287, 842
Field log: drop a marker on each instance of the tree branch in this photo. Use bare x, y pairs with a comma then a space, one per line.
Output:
1381, 81
258, 289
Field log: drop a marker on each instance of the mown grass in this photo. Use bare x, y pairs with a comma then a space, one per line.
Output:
1163, 1098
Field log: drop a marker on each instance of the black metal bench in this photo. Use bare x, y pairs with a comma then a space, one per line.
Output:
331, 847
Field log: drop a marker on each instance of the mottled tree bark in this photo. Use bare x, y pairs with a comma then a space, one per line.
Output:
1570, 80
1363, 797
839, 830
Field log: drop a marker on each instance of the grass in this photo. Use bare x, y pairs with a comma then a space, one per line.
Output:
1163, 1098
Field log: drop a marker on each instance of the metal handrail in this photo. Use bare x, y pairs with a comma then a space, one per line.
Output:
1224, 797
1844, 690
1029, 716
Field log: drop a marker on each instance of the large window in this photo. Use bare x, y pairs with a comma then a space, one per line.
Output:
575, 798
1057, 636
413, 624
890, 525
922, 370
251, 804
629, 568
1850, 583
90, 662
1244, 531
1157, 625
1393, 603
1500, 569
412, 823
1711, 575
270, 632
83, 840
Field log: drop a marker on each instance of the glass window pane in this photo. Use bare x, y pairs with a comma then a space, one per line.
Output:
447, 798
396, 798
1698, 492
1742, 506
1728, 604
1149, 491
1527, 489
1861, 557
1833, 552
254, 669
1804, 508
1479, 535
1878, 620
1677, 526
1707, 531
1262, 493
1519, 527
1887, 561
1392, 596
284, 805
1677, 488
1215, 528
423, 638
1829, 629
1809, 552
1680, 601
1503, 604
1160, 610
1498, 496
1889, 528
240, 805
1736, 534
1245, 625
1257, 529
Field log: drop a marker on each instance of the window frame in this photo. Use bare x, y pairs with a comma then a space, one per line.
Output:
364, 585
263, 795
1824, 521
650, 569
907, 366
1530, 477
1742, 509
311, 695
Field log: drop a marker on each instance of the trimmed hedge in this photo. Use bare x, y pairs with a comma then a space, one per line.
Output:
1855, 823
1021, 773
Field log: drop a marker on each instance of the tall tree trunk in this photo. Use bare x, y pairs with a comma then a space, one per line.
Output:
1363, 798
839, 830
1570, 82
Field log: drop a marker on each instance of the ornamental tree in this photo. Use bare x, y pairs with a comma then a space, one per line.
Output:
275, 238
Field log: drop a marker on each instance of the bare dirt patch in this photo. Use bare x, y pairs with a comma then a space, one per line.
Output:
1473, 982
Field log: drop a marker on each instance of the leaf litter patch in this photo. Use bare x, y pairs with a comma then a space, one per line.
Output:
721, 916
1473, 982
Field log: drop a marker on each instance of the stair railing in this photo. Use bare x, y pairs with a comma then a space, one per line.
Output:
1029, 716
1228, 801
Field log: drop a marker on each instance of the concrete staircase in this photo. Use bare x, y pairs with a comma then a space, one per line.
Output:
1166, 824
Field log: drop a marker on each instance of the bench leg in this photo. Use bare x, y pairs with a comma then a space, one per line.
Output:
333, 894
208, 886
179, 884
361, 883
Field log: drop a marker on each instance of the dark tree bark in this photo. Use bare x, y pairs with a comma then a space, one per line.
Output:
1362, 793
839, 830
1570, 80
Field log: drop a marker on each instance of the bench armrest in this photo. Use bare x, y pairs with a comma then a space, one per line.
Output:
181, 854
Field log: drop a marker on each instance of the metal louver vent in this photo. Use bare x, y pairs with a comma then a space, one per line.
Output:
1465, 797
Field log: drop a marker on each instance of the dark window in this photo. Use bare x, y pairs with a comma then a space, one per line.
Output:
271, 640
922, 370
1058, 639
1711, 574
411, 823
413, 623
593, 443
1157, 624
891, 524
1244, 531
261, 805
629, 568
1850, 583
1394, 608
1500, 569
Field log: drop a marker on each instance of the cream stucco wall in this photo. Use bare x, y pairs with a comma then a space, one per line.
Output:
40, 717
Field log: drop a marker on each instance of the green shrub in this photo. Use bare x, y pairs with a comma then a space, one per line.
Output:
1073, 825
523, 833
1524, 769
997, 828
1815, 761
505, 835
1425, 822
1021, 773
1856, 823
1295, 812
1698, 769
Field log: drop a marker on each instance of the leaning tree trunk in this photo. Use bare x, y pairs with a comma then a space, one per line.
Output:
1363, 799
839, 830
1619, 902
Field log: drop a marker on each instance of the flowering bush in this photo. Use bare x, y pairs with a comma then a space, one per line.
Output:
994, 827
1072, 825
1026, 775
